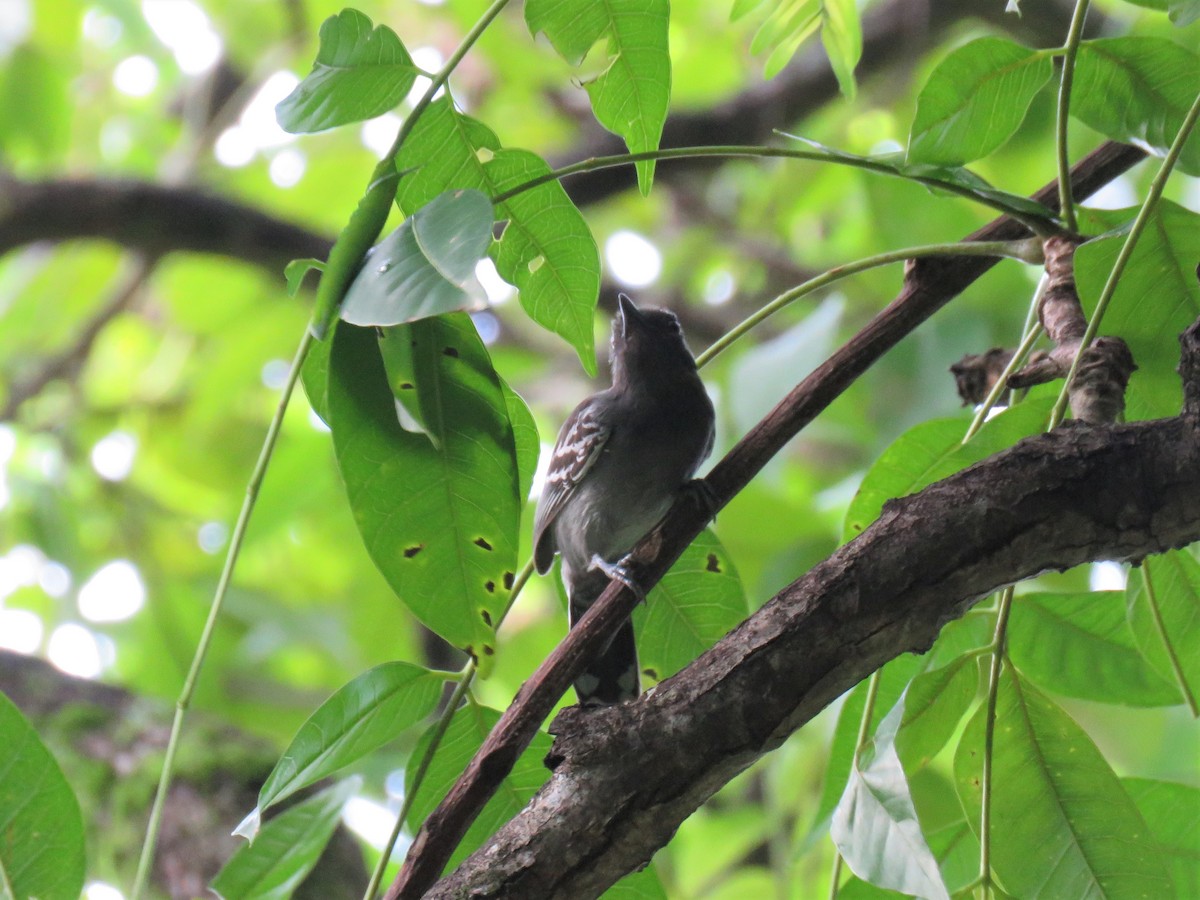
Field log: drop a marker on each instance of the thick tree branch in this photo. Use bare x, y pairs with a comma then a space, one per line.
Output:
929, 285
627, 776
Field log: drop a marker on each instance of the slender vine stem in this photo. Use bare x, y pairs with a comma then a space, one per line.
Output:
1011, 249
1066, 202
989, 736
864, 731
146, 860
1168, 646
1126, 252
1038, 224
464, 680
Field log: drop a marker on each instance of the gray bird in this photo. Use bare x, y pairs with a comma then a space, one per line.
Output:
621, 459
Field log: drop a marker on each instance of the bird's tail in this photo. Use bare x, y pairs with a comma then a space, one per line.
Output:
613, 675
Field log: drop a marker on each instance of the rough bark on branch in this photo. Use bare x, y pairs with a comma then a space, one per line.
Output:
626, 777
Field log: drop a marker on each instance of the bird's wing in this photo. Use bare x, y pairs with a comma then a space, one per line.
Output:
579, 444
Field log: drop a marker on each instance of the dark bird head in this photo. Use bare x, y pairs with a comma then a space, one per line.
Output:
647, 344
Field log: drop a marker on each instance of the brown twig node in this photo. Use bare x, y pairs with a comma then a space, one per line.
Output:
1097, 392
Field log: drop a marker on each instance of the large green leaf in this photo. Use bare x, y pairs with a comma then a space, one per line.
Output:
1172, 811
1173, 650
468, 728
41, 849
1080, 645
934, 704
1138, 90
359, 73
360, 717
1062, 824
440, 522
631, 94
426, 266
286, 849
1157, 298
875, 824
934, 450
546, 250
690, 609
975, 100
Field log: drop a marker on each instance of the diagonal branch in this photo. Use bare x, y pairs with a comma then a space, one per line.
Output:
625, 777
928, 286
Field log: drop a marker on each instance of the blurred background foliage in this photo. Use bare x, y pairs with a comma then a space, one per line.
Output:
135, 389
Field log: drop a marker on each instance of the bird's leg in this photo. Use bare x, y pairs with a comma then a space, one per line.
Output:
618, 571
700, 492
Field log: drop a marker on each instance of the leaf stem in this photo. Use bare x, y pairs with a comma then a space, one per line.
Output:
1036, 223
1011, 249
465, 678
1126, 252
989, 736
145, 862
1066, 202
1168, 646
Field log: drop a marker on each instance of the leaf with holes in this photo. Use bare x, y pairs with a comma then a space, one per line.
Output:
440, 523
694, 605
41, 851
426, 266
546, 250
468, 728
360, 72
631, 94
1070, 829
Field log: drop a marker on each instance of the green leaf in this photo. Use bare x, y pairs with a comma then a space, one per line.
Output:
1138, 90
631, 95
934, 450
895, 677
41, 851
1079, 645
643, 885
1172, 811
410, 359
286, 849
841, 34
361, 716
546, 250
295, 271
934, 704
345, 259
1183, 12
1157, 298
35, 103
697, 602
975, 100
314, 376
468, 728
1175, 579
440, 523
875, 824
525, 437
359, 73
426, 266
1063, 824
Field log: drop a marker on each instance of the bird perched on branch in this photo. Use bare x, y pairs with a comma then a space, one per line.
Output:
621, 459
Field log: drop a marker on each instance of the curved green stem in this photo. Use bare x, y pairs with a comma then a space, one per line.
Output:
1123, 257
989, 736
1013, 249
189, 685
1038, 225
465, 678
1066, 202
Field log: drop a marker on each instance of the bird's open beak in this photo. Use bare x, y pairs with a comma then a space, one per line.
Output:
628, 312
